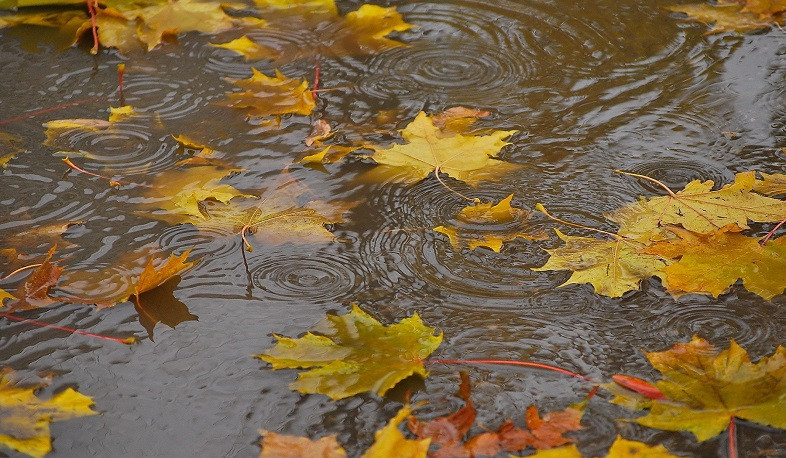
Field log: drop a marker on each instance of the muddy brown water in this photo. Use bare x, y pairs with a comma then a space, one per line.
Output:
591, 86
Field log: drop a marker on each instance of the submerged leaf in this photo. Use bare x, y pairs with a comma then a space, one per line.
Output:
470, 158
271, 96
34, 292
624, 448
354, 353
613, 267
276, 445
489, 225
448, 432
704, 389
725, 16
25, 418
711, 263
159, 305
390, 442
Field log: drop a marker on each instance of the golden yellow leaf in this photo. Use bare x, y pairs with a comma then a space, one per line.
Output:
188, 142
489, 225
70, 23
9, 147
624, 448
328, 155
725, 16
391, 442
268, 96
711, 263
764, 8
771, 184
25, 418
428, 150
613, 267
276, 445
5, 295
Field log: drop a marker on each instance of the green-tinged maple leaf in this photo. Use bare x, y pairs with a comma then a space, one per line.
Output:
180, 193
725, 16
613, 267
359, 32
276, 445
271, 96
771, 184
705, 388
469, 158
489, 225
711, 263
354, 353
699, 209
390, 442
25, 418
34, 292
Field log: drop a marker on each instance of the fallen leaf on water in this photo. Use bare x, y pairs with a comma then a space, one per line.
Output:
271, 96
624, 448
25, 418
9, 147
69, 23
320, 130
390, 442
705, 388
458, 119
159, 305
448, 432
34, 292
328, 155
612, 266
711, 263
324, 32
699, 209
354, 353
56, 128
276, 445
771, 184
469, 158
489, 225
725, 16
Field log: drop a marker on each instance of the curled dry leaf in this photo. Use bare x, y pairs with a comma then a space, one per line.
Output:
704, 389
271, 96
320, 130
354, 353
34, 292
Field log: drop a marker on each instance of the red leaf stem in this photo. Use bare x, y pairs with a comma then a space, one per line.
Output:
507, 363
91, 7
47, 110
732, 439
40, 324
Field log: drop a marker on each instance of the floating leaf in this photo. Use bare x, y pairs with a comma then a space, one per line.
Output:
354, 353
469, 158
34, 292
489, 225
448, 432
699, 209
704, 389
390, 442
359, 32
159, 305
711, 263
320, 131
613, 267
457, 119
771, 184
9, 147
276, 445
271, 96
725, 16
624, 448
25, 418
328, 155
70, 24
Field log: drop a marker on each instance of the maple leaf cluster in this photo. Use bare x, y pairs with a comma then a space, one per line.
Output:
692, 240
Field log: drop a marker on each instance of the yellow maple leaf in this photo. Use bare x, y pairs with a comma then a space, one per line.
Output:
25, 418
624, 448
489, 225
271, 96
390, 442
725, 16
469, 158
771, 184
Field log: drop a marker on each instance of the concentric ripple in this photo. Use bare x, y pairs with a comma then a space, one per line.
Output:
170, 96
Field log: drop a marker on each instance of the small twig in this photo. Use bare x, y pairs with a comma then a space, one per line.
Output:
508, 363
47, 110
328, 89
542, 209
732, 438
317, 71
91, 7
121, 71
40, 324
20, 270
645, 177
436, 174
771, 233
111, 181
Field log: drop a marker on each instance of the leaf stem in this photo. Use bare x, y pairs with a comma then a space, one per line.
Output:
771, 233
40, 324
539, 207
47, 110
111, 181
732, 438
317, 71
20, 270
645, 177
91, 7
436, 174
507, 363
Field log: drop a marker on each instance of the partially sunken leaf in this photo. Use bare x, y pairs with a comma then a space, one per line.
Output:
448, 432
188, 142
180, 192
624, 448
5, 295
458, 119
390, 442
271, 96
354, 353
725, 16
70, 23
359, 32
159, 305
34, 292
771, 184
711, 263
705, 388
699, 209
276, 445
25, 418
764, 8
613, 267
9, 147
328, 155
489, 225
469, 158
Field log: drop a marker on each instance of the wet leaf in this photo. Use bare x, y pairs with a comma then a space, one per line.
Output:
699, 209
613, 267
725, 16
159, 305
489, 225
771, 184
624, 448
469, 158
711, 263
390, 442
328, 155
56, 128
9, 147
180, 193
276, 445
271, 96
70, 24
354, 353
34, 292
458, 119
764, 8
705, 388
359, 32
448, 431
320, 131
25, 418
